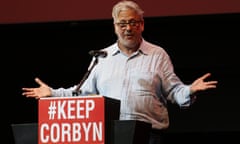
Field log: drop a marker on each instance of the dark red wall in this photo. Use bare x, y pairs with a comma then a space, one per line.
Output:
17, 11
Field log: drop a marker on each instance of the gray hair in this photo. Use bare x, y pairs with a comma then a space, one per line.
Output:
124, 5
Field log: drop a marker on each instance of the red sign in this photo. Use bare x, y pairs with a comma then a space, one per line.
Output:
71, 120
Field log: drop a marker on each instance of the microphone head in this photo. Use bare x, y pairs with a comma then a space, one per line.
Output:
98, 53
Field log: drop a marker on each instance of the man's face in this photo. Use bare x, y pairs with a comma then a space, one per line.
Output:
128, 28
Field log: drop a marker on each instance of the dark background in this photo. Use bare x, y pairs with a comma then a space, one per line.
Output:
57, 52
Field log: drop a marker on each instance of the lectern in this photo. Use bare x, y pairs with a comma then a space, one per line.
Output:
81, 120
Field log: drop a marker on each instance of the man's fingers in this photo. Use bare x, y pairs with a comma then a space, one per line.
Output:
41, 83
205, 76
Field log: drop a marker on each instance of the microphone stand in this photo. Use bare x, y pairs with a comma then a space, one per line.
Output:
77, 91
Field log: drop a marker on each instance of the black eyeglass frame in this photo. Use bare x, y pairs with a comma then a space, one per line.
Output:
132, 23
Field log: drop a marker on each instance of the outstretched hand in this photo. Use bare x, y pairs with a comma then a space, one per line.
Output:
200, 84
42, 91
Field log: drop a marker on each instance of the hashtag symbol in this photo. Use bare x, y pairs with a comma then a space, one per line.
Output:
52, 110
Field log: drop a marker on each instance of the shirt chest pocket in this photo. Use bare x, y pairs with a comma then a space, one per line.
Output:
141, 81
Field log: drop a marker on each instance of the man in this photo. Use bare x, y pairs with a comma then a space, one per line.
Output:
138, 73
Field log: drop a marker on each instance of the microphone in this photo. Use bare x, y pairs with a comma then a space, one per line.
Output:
95, 53
98, 53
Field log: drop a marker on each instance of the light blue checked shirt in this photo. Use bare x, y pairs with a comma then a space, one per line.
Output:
143, 82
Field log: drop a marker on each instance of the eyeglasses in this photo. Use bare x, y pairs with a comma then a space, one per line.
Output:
132, 23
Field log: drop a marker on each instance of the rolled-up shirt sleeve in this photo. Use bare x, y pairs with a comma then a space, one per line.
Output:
63, 92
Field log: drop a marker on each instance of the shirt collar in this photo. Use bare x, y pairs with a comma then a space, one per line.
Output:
142, 49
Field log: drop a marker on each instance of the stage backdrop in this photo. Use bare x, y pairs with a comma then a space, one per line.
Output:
15, 11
